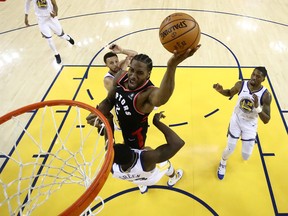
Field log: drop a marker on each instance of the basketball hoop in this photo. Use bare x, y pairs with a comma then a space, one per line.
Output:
49, 149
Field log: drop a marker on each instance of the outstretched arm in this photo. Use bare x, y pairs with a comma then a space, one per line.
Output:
161, 95
228, 92
165, 151
104, 107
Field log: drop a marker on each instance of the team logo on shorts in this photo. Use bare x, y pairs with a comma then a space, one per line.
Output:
246, 105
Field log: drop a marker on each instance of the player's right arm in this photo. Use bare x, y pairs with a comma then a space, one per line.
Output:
108, 103
228, 92
108, 83
27, 8
165, 151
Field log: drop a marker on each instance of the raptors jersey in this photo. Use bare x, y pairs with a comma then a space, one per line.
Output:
133, 123
245, 107
137, 175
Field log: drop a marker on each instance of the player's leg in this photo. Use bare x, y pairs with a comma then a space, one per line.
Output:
174, 176
43, 24
58, 30
233, 136
249, 130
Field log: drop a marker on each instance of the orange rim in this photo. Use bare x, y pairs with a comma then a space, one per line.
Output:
89, 195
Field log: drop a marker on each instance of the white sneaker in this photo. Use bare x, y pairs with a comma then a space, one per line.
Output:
143, 188
221, 169
172, 181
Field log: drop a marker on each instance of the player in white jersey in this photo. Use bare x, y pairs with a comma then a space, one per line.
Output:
253, 100
147, 166
46, 12
111, 60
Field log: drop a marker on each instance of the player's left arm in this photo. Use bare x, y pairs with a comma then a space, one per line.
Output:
159, 96
108, 83
55, 8
163, 152
265, 113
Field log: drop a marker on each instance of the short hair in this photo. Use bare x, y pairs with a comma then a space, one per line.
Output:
145, 59
108, 55
122, 154
262, 70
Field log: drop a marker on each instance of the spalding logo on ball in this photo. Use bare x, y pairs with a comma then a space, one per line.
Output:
179, 31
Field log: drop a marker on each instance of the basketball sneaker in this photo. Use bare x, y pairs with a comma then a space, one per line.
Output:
71, 41
143, 188
221, 169
178, 175
58, 58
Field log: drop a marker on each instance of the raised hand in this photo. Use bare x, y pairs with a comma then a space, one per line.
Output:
177, 58
158, 116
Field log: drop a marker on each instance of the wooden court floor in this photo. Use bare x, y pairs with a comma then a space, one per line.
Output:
236, 36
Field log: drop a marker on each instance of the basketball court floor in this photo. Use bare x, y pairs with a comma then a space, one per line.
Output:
235, 38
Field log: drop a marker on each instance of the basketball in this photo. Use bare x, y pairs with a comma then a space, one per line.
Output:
179, 31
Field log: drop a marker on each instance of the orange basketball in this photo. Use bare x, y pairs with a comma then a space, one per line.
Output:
179, 31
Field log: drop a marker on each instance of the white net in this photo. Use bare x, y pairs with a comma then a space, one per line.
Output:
50, 159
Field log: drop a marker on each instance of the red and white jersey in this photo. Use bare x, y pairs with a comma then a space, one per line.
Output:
245, 106
41, 7
137, 175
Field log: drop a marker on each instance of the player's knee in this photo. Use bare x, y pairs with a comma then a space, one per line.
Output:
245, 156
247, 148
231, 144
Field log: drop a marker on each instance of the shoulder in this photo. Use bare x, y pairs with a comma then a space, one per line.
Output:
147, 158
109, 75
239, 84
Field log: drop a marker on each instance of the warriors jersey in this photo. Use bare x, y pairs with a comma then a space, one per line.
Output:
137, 175
133, 123
245, 107
109, 74
42, 7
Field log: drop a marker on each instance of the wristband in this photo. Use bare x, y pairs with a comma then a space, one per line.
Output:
258, 109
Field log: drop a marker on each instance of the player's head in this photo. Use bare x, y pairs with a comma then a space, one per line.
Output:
262, 70
139, 71
122, 154
111, 60
258, 76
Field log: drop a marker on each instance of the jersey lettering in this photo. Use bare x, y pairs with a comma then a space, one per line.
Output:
129, 176
122, 101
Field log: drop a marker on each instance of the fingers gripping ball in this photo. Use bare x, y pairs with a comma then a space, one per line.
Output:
179, 31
